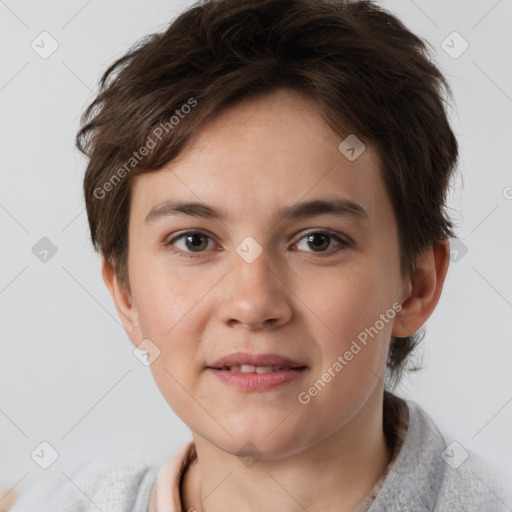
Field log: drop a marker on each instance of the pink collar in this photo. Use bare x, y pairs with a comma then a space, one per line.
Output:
165, 495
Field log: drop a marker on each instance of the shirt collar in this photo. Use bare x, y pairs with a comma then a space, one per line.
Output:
165, 496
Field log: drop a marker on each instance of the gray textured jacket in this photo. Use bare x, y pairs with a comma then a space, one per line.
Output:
430, 473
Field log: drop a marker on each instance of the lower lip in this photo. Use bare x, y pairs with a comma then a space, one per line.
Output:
257, 381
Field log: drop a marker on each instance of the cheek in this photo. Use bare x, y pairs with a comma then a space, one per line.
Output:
356, 320
176, 369
350, 299
172, 320
164, 300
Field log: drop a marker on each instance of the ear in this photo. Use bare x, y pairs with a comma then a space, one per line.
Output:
123, 302
425, 289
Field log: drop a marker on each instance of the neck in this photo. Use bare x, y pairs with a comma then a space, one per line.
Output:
341, 469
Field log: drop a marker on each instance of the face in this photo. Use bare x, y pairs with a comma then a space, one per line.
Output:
265, 277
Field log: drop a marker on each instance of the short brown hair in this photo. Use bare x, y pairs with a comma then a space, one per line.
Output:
368, 74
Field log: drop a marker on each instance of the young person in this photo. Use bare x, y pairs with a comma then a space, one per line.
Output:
266, 185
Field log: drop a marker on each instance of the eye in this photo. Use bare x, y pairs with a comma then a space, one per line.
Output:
194, 242
198, 242
320, 240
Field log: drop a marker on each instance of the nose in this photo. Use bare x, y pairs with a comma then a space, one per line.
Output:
255, 295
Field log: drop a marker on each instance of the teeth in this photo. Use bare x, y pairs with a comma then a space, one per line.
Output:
265, 369
250, 368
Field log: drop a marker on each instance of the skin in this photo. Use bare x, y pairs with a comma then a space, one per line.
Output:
294, 299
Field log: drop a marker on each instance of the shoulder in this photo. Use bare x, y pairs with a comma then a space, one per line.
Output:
434, 472
471, 483
115, 485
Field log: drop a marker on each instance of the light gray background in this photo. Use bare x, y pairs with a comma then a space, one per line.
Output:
68, 375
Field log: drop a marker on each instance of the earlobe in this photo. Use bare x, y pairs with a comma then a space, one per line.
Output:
123, 302
426, 287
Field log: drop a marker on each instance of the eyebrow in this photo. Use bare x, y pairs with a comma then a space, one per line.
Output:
336, 206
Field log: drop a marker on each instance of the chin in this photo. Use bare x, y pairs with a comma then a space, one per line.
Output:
254, 444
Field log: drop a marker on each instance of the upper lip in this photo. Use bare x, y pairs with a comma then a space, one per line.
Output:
242, 358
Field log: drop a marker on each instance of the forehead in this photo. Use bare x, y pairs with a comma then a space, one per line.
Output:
259, 155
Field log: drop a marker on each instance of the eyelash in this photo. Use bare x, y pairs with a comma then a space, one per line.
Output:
333, 234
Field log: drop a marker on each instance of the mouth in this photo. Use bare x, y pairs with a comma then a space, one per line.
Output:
256, 372
250, 368
245, 362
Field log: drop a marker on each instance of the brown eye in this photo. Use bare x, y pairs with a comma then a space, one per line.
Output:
194, 242
319, 241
